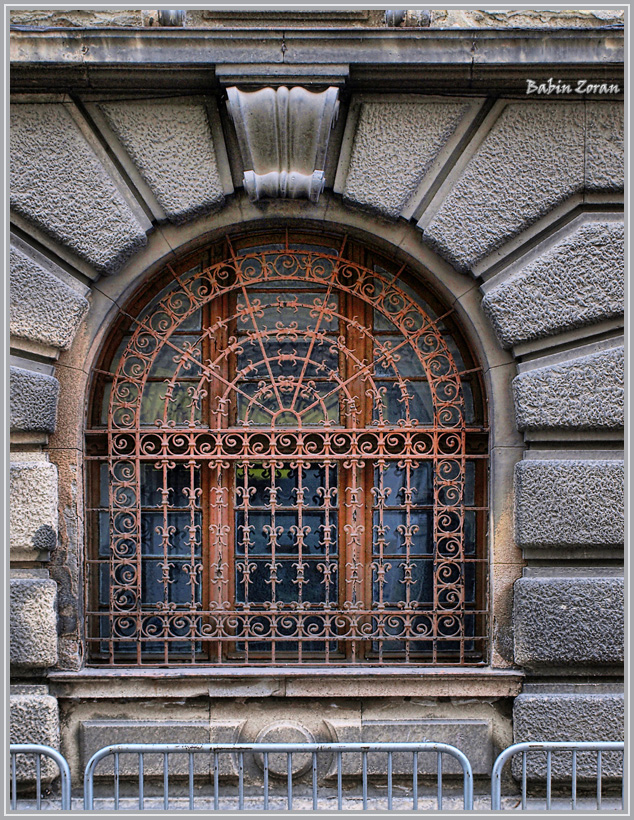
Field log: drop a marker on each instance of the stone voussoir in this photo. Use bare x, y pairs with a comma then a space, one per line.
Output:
566, 718
33, 514
531, 161
566, 621
578, 282
584, 394
395, 144
43, 309
33, 401
59, 185
34, 718
569, 503
33, 618
170, 143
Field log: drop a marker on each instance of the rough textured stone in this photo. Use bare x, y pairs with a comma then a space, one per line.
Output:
569, 717
43, 308
569, 503
171, 144
33, 623
59, 185
586, 393
531, 161
580, 281
33, 514
34, 719
605, 149
33, 401
525, 18
568, 621
394, 145
95, 734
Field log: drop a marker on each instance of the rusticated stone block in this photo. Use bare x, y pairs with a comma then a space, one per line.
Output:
33, 514
568, 621
586, 393
33, 623
578, 282
34, 719
569, 717
531, 161
569, 503
43, 308
170, 142
605, 147
394, 145
33, 401
59, 185
95, 734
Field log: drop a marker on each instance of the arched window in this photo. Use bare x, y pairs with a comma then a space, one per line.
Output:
287, 461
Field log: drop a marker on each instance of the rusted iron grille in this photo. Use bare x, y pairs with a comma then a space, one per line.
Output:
289, 476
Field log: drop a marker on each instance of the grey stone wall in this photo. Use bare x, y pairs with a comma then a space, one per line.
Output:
33, 401
33, 621
59, 185
573, 622
170, 142
43, 308
585, 393
33, 509
577, 282
569, 503
34, 718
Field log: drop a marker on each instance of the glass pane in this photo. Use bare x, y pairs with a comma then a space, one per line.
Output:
178, 484
175, 357
182, 405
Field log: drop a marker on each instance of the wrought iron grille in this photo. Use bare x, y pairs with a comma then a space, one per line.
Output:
288, 458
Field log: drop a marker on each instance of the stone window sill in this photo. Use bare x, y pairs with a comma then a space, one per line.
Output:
333, 682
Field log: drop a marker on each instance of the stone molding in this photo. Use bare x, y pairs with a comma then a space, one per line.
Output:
283, 136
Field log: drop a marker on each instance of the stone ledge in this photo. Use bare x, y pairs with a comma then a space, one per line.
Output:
33, 619
574, 622
276, 682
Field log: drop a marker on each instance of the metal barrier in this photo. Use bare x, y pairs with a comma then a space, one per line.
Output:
38, 750
266, 749
549, 748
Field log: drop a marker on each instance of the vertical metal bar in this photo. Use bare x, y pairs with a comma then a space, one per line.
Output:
573, 802
265, 757
116, 780
166, 799
216, 768
141, 784
548, 779
523, 780
389, 781
415, 783
623, 779
599, 796
364, 766
439, 779
314, 781
240, 780
14, 788
339, 784
191, 781
289, 779
38, 781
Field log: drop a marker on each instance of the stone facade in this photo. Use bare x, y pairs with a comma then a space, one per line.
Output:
509, 208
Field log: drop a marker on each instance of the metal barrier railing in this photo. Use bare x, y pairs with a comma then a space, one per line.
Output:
567, 768
215, 750
38, 750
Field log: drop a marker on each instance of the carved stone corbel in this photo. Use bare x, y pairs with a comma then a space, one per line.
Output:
283, 138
